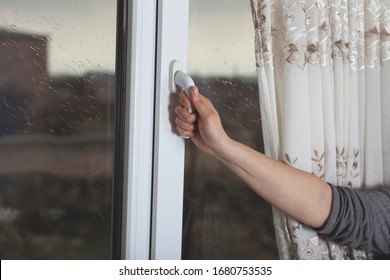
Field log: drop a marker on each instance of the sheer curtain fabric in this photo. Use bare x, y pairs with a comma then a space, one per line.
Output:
324, 80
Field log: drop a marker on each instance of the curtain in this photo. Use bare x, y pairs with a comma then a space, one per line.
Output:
324, 83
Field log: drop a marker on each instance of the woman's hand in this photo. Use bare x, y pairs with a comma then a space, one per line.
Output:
301, 195
204, 125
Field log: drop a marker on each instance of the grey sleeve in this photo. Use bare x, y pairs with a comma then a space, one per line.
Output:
360, 219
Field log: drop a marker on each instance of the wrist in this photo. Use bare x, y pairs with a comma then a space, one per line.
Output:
223, 147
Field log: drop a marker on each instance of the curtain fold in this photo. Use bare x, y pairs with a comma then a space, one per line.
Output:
324, 84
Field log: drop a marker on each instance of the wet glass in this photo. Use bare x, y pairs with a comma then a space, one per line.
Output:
223, 218
57, 93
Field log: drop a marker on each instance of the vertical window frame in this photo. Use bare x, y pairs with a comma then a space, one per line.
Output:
119, 138
169, 149
153, 176
138, 129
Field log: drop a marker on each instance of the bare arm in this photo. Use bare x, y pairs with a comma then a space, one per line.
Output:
299, 194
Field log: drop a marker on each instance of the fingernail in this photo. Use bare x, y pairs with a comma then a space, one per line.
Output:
196, 92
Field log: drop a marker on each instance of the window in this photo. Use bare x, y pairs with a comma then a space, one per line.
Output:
223, 219
57, 114
86, 124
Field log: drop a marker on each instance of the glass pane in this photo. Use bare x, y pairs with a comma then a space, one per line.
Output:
224, 219
57, 92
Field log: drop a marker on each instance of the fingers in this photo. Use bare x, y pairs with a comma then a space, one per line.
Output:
185, 133
182, 110
204, 127
184, 101
202, 104
185, 124
185, 121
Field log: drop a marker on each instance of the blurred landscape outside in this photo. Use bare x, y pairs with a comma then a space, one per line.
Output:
56, 128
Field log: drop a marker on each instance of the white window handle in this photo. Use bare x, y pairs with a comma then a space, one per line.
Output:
177, 78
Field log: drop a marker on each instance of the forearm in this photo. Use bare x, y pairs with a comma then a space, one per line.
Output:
299, 194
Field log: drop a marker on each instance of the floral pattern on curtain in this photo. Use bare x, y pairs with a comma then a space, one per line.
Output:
324, 83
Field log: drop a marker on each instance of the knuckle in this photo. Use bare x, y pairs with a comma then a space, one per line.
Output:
178, 121
177, 109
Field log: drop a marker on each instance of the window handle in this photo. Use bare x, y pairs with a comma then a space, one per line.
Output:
179, 79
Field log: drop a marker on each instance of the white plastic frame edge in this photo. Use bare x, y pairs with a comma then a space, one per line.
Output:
172, 44
136, 227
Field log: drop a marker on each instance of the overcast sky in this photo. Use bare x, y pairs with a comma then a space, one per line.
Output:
82, 34
221, 37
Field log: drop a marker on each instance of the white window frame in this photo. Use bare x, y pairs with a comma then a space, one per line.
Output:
154, 163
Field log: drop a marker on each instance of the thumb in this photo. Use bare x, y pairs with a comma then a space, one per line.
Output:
201, 104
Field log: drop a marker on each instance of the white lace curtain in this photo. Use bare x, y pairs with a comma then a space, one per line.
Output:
324, 80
